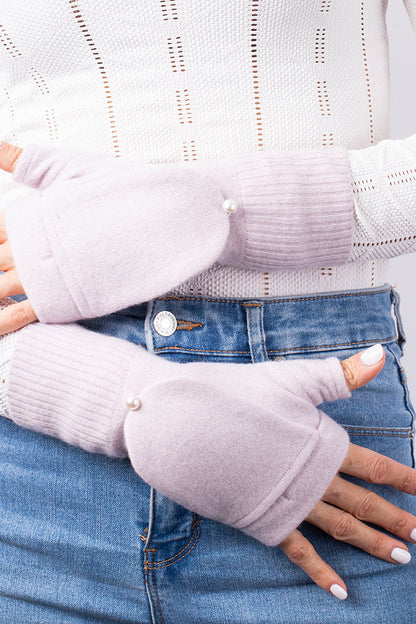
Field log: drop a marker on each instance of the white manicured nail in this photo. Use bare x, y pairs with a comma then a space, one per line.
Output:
400, 555
413, 535
338, 591
372, 355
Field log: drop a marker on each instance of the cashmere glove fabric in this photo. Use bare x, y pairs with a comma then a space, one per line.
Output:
243, 444
100, 234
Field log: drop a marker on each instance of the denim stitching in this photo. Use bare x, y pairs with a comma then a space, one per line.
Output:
160, 567
395, 300
201, 350
299, 349
338, 344
146, 579
323, 346
391, 435
157, 595
154, 565
187, 325
186, 298
392, 429
407, 402
252, 305
194, 524
253, 350
263, 335
151, 325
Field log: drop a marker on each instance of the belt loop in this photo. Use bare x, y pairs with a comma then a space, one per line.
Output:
255, 330
401, 336
150, 345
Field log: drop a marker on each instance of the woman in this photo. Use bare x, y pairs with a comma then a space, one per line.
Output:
296, 332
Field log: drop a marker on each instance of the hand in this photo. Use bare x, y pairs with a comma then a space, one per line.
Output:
19, 314
345, 506
295, 545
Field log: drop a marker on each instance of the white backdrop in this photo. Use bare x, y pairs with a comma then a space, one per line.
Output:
402, 40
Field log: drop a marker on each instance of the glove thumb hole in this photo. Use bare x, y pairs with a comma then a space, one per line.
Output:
363, 367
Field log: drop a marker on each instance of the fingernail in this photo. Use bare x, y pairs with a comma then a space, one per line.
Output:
338, 591
413, 535
400, 555
373, 355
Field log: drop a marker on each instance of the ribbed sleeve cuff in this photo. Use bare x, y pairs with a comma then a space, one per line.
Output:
70, 383
322, 464
295, 208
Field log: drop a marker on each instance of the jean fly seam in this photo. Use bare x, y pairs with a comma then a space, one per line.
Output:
147, 566
157, 595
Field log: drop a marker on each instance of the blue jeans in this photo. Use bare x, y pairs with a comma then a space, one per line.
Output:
84, 539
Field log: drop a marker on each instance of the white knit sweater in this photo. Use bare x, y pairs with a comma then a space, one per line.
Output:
171, 80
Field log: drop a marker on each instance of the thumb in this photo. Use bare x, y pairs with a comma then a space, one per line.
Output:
329, 379
364, 366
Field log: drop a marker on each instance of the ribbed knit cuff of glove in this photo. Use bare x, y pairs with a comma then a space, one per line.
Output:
288, 209
7, 344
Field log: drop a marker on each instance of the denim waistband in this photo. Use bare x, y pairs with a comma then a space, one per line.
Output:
274, 325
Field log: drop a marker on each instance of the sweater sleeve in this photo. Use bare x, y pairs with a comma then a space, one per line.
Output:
383, 178
238, 443
99, 234
384, 188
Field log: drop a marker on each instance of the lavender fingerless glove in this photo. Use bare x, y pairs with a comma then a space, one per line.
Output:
243, 444
100, 234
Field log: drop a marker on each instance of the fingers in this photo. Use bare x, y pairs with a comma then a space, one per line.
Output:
370, 507
364, 366
10, 284
16, 316
376, 468
3, 232
9, 155
6, 257
344, 527
302, 553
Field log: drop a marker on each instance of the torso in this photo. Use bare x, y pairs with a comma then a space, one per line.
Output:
168, 81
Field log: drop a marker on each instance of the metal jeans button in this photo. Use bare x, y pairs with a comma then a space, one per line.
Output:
165, 323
